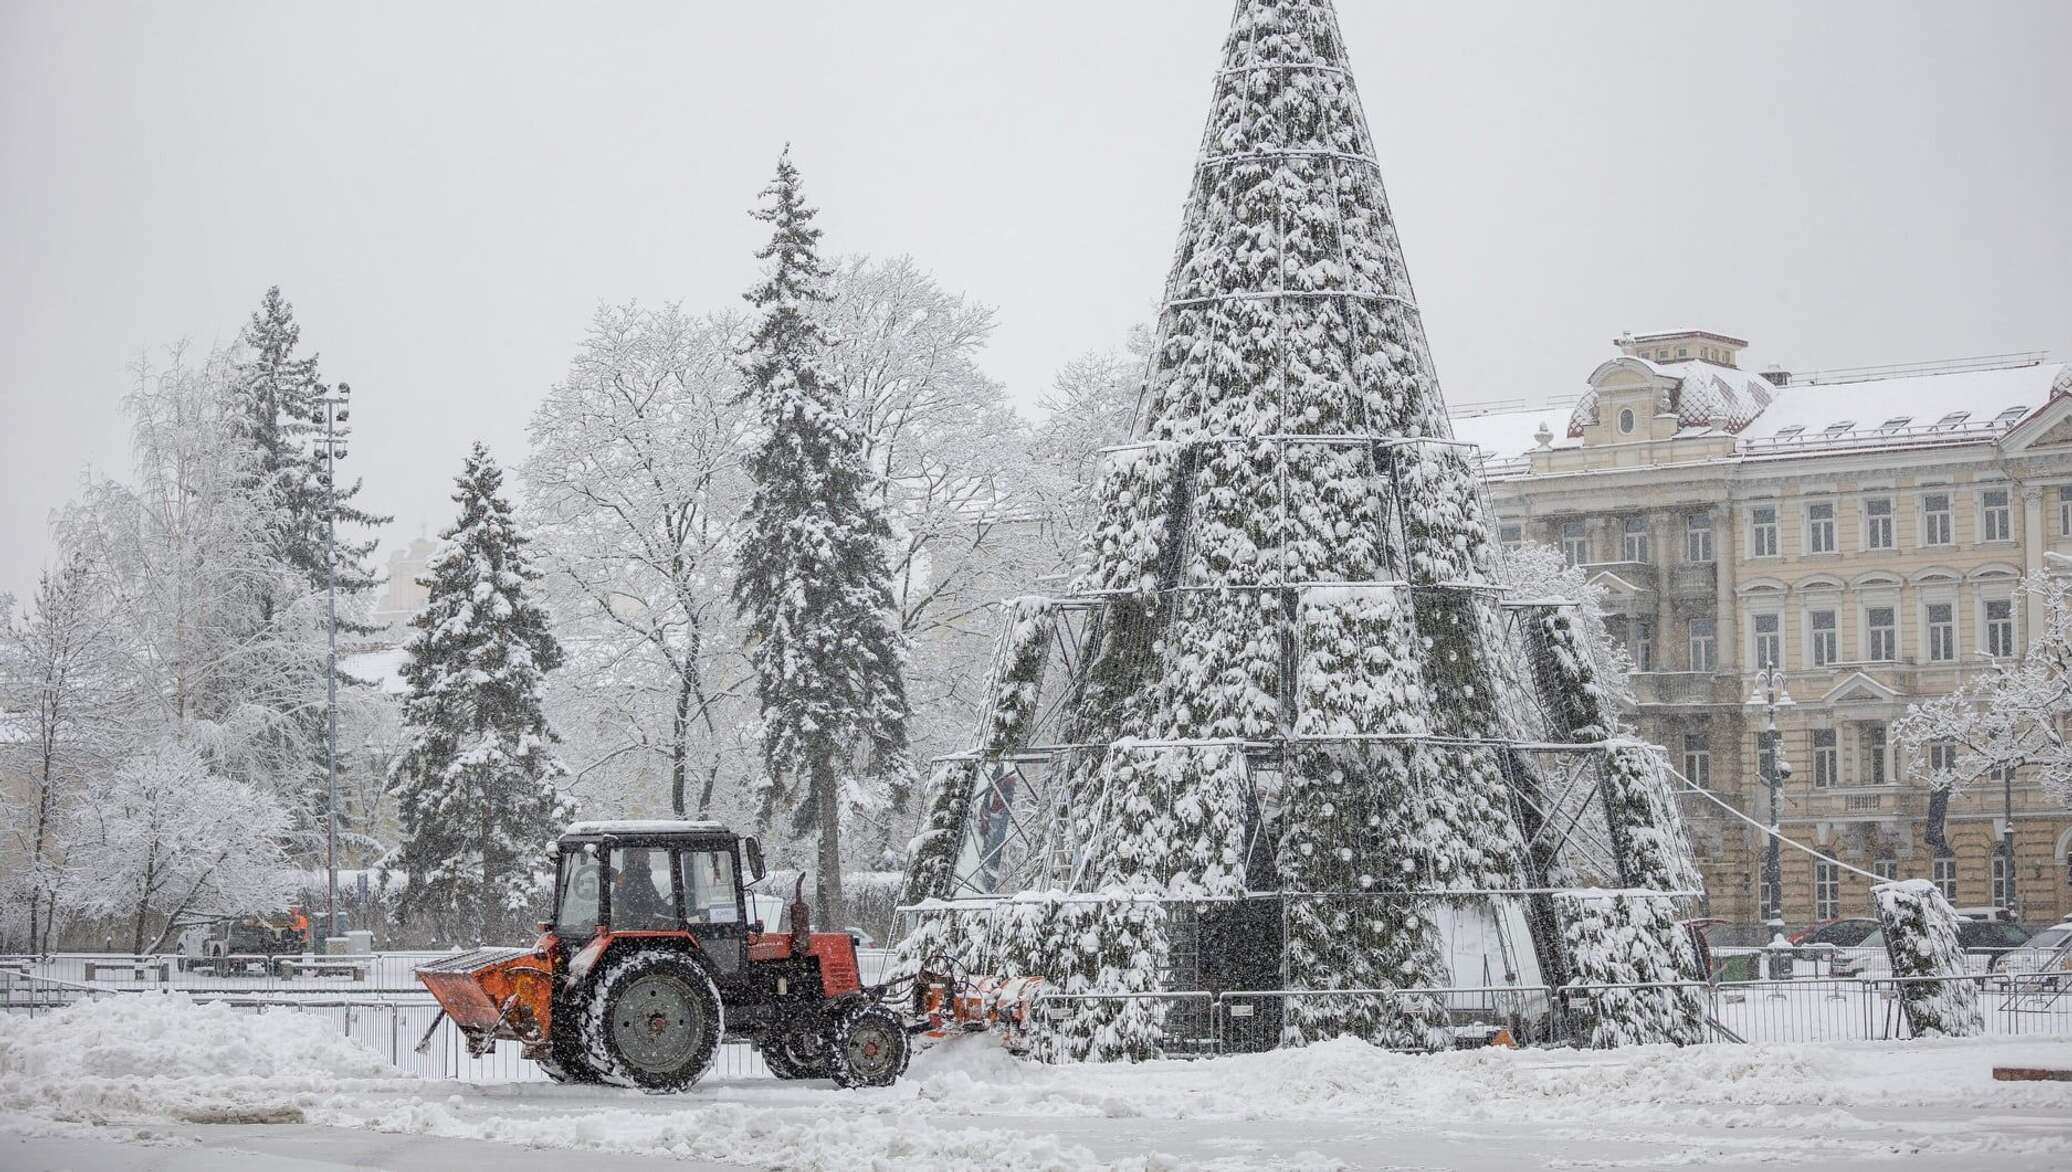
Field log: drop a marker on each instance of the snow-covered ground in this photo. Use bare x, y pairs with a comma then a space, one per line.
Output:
212, 1087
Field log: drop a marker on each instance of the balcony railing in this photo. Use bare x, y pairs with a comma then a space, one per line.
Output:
1685, 687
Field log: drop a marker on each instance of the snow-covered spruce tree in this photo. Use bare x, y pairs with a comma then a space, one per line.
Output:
1600, 931
277, 392
1921, 939
813, 583
476, 785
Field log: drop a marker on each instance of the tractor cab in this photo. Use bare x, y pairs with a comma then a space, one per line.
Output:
625, 879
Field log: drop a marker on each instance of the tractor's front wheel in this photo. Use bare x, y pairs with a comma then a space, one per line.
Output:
796, 1053
565, 1061
869, 1048
653, 1021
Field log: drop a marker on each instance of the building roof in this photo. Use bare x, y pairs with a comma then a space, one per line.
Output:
1665, 335
1961, 402
1935, 407
1506, 430
1707, 395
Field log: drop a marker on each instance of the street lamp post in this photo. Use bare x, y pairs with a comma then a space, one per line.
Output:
2007, 893
334, 410
1770, 694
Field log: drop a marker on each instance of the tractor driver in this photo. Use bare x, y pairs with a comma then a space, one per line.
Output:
636, 900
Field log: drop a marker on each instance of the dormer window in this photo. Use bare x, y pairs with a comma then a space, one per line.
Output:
1953, 419
1895, 423
1841, 425
2011, 414
1790, 433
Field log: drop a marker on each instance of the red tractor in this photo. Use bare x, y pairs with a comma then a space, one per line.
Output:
651, 961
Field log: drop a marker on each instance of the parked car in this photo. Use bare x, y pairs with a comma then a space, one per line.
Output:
2048, 951
1842, 932
1986, 943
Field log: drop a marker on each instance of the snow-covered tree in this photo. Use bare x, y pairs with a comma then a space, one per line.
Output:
183, 554
476, 787
813, 581
278, 415
2014, 715
1089, 408
1920, 929
58, 700
956, 478
635, 485
164, 839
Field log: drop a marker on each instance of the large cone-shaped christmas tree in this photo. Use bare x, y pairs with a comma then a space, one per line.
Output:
1285, 731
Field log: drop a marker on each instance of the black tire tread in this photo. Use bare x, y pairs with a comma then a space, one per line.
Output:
592, 1019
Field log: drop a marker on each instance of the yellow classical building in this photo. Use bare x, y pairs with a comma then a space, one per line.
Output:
1865, 531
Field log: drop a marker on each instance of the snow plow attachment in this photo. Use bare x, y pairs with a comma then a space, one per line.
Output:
493, 993
1006, 1006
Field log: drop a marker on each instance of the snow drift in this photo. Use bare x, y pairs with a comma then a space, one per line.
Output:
157, 1057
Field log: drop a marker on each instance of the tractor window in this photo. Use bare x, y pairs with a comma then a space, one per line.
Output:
643, 899
708, 885
575, 897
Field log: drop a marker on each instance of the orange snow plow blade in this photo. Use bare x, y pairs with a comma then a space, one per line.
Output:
493, 993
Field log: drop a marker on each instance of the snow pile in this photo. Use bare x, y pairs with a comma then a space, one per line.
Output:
168, 1056
823, 1141
1349, 1079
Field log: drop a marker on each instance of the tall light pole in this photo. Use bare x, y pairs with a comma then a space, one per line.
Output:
334, 407
2007, 842
1770, 694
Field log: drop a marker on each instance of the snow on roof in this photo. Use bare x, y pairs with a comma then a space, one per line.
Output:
1920, 408
645, 826
1708, 395
383, 668
1663, 335
1507, 432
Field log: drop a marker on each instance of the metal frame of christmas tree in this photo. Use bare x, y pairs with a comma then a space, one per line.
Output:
1285, 676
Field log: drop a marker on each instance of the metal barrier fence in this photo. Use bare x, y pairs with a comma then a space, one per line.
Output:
256, 973
390, 1022
390, 1026
1812, 1010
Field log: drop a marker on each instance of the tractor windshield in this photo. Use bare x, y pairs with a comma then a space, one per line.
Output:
575, 894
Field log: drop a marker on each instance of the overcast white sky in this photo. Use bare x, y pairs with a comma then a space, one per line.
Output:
446, 192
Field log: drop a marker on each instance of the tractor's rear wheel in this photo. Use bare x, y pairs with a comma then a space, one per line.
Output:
869, 1048
653, 1021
